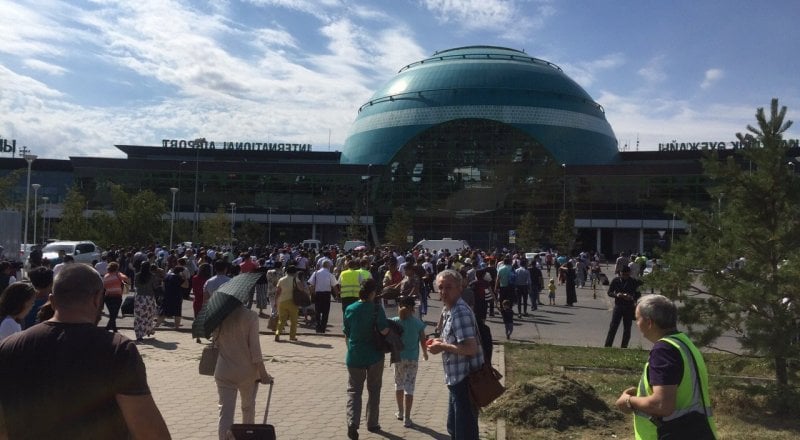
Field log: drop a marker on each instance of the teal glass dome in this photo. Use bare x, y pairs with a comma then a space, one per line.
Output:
490, 83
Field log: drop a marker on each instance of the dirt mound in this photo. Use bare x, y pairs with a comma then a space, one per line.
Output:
553, 402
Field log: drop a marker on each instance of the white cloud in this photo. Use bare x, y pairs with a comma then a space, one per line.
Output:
711, 77
504, 17
18, 88
586, 73
653, 71
43, 66
659, 120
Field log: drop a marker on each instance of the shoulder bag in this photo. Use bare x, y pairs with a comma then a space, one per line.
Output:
299, 296
484, 383
390, 342
208, 359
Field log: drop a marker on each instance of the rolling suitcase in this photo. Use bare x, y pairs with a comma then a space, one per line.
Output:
127, 305
242, 431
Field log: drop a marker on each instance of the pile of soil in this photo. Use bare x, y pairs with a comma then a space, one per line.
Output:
553, 402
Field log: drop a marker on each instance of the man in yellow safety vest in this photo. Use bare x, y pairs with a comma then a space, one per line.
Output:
671, 401
350, 283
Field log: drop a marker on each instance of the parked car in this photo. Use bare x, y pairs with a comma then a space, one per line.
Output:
82, 251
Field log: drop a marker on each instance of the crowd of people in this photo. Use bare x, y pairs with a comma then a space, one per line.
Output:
471, 285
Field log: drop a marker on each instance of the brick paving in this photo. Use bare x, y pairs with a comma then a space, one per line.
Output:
309, 395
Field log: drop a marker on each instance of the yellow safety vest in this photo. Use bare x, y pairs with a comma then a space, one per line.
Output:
688, 397
350, 283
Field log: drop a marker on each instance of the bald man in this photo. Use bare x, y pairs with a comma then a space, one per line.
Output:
68, 379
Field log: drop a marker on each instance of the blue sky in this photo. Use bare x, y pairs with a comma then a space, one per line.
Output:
78, 77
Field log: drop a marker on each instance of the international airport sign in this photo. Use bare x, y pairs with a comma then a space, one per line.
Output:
719, 145
225, 145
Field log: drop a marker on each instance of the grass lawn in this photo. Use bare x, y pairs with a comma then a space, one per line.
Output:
740, 406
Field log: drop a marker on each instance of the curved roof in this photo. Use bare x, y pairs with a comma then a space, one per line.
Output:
483, 82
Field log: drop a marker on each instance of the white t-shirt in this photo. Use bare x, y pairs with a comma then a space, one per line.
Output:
8, 327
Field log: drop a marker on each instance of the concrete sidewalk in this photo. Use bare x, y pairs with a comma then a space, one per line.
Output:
309, 395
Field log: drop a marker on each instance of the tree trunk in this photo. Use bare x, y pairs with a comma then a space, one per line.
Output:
781, 374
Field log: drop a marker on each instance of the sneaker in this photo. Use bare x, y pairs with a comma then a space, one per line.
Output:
407, 422
352, 433
399, 415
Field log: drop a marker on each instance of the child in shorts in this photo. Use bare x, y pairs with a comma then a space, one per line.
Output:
405, 371
552, 288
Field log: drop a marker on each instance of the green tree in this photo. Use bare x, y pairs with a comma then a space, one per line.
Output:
141, 218
73, 225
355, 229
250, 233
216, 229
399, 225
7, 182
529, 236
751, 220
564, 232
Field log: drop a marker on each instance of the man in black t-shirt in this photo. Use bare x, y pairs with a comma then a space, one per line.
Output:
68, 379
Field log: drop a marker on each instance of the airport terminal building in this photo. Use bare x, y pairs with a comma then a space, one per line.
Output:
468, 141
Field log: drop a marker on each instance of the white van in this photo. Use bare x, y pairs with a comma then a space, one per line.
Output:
349, 245
312, 244
449, 244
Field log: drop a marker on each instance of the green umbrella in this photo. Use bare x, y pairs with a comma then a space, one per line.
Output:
229, 296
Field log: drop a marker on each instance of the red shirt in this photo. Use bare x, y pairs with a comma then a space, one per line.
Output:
248, 266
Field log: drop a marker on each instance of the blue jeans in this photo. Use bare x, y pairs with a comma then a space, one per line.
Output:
462, 417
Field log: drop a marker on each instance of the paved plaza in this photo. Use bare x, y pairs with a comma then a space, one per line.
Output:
309, 395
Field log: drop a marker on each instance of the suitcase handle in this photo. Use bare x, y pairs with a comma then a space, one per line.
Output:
269, 398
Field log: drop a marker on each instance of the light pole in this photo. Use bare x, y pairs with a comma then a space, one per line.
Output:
269, 228
564, 169
35, 187
202, 142
233, 220
44, 217
29, 158
369, 188
172, 219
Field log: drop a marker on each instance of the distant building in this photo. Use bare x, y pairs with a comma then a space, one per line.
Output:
468, 140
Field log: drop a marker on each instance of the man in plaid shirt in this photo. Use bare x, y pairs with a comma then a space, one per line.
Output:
461, 353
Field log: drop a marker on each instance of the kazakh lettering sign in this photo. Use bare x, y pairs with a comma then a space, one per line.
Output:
721, 145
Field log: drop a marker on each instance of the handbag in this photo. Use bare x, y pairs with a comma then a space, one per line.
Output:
208, 360
391, 341
300, 297
484, 385
272, 323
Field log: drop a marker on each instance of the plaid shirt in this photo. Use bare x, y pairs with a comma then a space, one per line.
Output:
459, 325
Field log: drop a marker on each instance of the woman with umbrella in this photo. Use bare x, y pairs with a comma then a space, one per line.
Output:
287, 309
240, 365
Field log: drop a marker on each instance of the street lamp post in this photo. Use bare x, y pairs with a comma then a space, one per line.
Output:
44, 217
564, 193
269, 228
202, 142
369, 194
233, 220
172, 219
35, 187
28, 158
